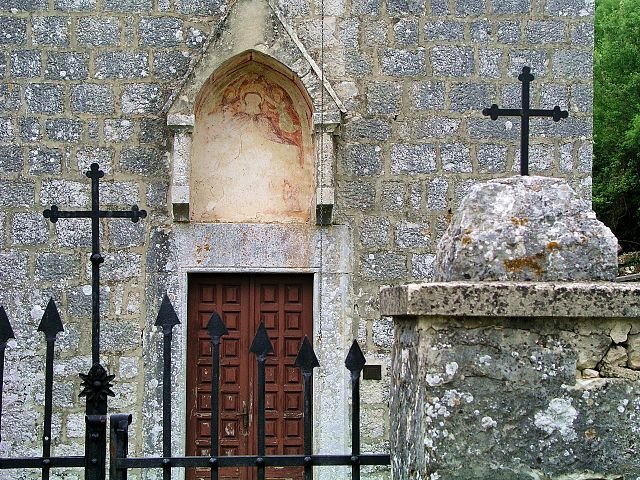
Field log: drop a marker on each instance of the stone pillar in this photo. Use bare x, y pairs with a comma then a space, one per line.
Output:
520, 363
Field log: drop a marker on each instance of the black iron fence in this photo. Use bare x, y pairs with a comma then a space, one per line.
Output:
97, 387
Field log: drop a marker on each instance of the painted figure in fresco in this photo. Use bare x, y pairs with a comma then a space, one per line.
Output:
254, 140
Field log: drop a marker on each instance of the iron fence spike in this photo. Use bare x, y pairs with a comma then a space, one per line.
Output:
51, 324
216, 326
261, 344
306, 359
167, 316
6, 332
355, 360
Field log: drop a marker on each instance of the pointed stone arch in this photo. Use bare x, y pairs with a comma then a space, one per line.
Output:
255, 31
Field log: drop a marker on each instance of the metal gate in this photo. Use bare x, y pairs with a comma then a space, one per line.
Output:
97, 387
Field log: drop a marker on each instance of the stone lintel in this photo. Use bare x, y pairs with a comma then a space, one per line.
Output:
512, 299
178, 121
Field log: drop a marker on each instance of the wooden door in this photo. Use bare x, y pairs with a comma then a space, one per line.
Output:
284, 304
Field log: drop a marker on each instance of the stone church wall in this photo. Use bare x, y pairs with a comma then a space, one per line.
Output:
85, 81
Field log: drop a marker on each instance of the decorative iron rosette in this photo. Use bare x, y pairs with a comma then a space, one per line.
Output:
97, 384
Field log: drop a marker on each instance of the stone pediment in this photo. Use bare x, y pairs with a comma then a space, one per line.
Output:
256, 26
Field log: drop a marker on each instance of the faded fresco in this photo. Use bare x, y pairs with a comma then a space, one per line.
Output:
252, 158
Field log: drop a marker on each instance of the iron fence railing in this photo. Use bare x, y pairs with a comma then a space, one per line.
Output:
97, 387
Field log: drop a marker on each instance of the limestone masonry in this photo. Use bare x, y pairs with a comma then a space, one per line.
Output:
390, 94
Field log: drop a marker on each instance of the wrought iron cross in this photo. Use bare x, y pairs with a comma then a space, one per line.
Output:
95, 214
525, 113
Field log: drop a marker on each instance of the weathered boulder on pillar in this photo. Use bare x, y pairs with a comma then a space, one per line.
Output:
526, 228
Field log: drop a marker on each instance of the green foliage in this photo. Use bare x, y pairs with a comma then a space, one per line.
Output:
616, 111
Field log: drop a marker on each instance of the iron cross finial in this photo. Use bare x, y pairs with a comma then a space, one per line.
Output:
526, 77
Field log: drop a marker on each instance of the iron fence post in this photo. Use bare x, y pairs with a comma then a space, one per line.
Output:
119, 445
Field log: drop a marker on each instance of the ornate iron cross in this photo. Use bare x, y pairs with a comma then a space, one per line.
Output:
525, 113
95, 214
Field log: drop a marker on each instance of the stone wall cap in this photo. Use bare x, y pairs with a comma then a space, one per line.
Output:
513, 299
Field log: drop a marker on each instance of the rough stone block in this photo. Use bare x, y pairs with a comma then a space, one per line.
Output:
509, 32
161, 32
413, 159
125, 233
116, 130
362, 160
534, 227
119, 193
55, 267
356, 63
143, 161
374, 231
359, 195
480, 30
406, 32
437, 193
573, 63
405, 7
157, 194
75, 5
569, 127
438, 127
98, 31
382, 331
153, 130
14, 31
444, 30
101, 155
470, 7
14, 269
128, 5
570, 8
92, 98
536, 59
471, 96
383, 266
120, 266
403, 63
23, 5
422, 266
44, 160
127, 65
368, 129
349, 33
74, 232
374, 32
492, 158
16, 194
11, 158
50, 31
489, 61
142, 98
26, 63
412, 235
7, 129
366, 7
452, 61
64, 193
63, 130
544, 31
439, 7
44, 98
383, 97
201, 7
582, 34
455, 157
30, 129
393, 196
171, 65
504, 7
294, 8
487, 129
67, 66
552, 95
10, 97
29, 228
428, 95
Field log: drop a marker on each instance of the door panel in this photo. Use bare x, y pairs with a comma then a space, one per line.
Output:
284, 304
